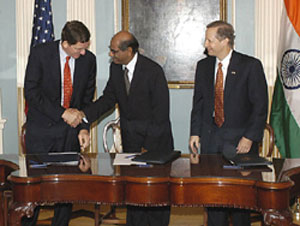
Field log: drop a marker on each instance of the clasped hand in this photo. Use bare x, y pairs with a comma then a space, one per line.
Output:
73, 117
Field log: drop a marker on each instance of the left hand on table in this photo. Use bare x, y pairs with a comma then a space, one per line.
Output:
244, 145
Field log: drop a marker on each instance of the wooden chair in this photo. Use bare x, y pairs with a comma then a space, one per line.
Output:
269, 140
114, 125
8, 195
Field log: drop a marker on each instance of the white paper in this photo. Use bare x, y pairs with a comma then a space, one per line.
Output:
126, 159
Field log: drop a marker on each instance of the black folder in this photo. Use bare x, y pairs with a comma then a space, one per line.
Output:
54, 158
247, 160
157, 157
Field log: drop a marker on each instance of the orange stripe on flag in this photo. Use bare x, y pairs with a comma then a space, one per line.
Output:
293, 12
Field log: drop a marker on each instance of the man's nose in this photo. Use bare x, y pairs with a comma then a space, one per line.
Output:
82, 52
205, 44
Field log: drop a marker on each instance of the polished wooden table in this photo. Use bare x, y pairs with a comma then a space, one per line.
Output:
180, 183
8, 163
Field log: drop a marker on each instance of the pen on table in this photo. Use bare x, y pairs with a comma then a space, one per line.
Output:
85, 120
130, 156
145, 166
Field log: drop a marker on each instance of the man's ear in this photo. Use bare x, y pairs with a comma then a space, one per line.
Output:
65, 44
226, 41
130, 51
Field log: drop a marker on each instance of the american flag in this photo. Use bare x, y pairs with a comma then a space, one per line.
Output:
42, 30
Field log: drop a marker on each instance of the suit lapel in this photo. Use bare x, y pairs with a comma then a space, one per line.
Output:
54, 62
210, 74
79, 67
122, 81
232, 73
136, 73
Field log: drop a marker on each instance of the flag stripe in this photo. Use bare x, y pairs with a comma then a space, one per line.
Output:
293, 9
287, 132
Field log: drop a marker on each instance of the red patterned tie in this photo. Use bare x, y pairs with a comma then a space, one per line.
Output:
219, 98
68, 89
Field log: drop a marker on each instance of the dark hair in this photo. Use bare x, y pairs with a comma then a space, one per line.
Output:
225, 30
132, 42
75, 31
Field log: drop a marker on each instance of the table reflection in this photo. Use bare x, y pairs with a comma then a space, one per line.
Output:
185, 166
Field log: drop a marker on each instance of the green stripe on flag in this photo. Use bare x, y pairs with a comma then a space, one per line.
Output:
286, 129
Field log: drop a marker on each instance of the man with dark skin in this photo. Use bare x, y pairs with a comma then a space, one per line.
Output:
143, 100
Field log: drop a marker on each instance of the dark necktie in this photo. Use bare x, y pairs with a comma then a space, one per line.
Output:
219, 97
126, 79
68, 89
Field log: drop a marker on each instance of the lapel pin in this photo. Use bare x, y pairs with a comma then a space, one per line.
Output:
233, 72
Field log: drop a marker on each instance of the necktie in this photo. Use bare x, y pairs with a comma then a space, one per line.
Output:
219, 97
68, 89
126, 79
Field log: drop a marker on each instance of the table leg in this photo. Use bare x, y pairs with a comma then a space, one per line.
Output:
17, 211
278, 218
97, 212
2, 207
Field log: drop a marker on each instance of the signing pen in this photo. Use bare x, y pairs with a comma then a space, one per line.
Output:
129, 156
85, 120
145, 166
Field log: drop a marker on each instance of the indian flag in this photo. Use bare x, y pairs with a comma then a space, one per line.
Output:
285, 112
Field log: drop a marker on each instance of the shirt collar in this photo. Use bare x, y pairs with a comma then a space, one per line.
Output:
62, 53
131, 65
226, 60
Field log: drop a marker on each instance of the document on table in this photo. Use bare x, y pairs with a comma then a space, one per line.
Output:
125, 159
53, 158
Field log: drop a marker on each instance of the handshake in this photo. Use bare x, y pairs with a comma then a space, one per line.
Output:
73, 117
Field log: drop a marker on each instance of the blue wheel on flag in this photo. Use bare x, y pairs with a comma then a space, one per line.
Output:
290, 69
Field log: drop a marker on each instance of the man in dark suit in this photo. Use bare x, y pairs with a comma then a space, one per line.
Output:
143, 100
53, 113
233, 115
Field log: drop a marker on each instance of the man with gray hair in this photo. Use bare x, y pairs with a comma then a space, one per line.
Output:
230, 106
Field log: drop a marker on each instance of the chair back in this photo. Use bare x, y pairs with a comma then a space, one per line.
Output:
115, 126
268, 142
22, 138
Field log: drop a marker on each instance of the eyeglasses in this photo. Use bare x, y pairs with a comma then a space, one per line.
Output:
116, 51
113, 50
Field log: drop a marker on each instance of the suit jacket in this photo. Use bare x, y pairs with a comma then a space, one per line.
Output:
144, 113
45, 129
245, 100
